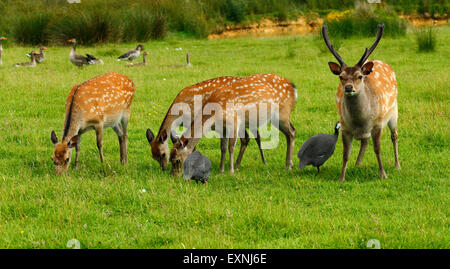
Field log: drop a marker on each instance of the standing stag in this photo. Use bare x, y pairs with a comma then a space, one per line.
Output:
101, 102
159, 144
261, 92
367, 100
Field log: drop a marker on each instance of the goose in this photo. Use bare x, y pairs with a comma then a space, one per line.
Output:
318, 149
144, 62
132, 54
76, 59
188, 62
93, 59
41, 56
29, 64
1, 49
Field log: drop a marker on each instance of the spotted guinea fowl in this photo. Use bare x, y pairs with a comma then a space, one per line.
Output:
144, 60
76, 59
41, 56
29, 64
1, 49
132, 54
197, 167
317, 149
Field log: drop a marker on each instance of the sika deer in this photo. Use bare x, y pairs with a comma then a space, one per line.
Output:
101, 102
204, 89
263, 92
367, 100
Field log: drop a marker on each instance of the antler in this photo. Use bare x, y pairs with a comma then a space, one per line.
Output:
330, 47
374, 45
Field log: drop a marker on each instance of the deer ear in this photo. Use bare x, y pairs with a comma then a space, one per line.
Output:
174, 137
150, 136
367, 68
335, 68
72, 141
162, 137
53, 138
183, 142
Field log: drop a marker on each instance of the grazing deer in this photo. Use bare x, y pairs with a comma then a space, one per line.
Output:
101, 102
159, 144
367, 100
258, 91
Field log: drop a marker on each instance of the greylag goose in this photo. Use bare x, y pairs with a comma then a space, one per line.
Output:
41, 56
93, 59
188, 62
132, 54
144, 62
76, 59
1, 49
29, 64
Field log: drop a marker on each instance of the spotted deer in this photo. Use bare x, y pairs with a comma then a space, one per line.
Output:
160, 145
367, 100
260, 90
101, 102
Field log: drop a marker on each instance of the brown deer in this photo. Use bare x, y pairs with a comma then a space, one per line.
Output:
159, 144
367, 100
101, 102
263, 91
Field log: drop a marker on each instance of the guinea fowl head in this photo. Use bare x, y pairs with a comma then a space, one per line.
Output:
336, 128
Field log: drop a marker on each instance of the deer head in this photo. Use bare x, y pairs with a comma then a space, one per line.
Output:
178, 155
352, 77
160, 148
63, 153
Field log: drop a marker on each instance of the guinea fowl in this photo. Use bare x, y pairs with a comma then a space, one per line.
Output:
318, 149
197, 167
29, 64
1, 49
132, 54
79, 60
144, 60
41, 56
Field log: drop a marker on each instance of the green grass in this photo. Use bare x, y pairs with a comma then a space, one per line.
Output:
259, 206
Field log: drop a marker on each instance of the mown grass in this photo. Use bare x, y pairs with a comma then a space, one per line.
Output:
103, 206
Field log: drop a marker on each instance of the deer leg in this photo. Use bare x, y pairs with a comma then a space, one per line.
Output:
258, 141
123, 145
376, 138
289, 131
347, 142
77, 151
223, 152
99, 133
362, 150
231, 145
394, 137
244, 143
119, 131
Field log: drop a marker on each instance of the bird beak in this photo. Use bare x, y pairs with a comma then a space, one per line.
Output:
70, 40
3, 38
44, 48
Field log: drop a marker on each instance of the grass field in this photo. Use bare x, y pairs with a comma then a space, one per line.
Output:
103, 206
